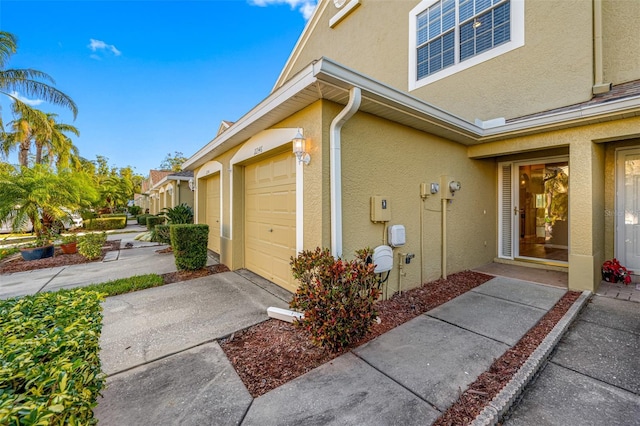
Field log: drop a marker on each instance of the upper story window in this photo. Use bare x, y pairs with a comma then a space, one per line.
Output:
447, 36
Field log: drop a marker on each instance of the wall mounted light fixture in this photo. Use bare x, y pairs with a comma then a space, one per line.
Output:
192, 184
300, 148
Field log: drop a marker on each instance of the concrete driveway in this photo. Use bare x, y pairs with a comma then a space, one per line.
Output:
159, 350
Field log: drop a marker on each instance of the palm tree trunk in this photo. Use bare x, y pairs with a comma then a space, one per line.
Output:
23, 155
38, 153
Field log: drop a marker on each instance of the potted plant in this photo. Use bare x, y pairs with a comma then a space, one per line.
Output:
613, 272
41, 248
69, 244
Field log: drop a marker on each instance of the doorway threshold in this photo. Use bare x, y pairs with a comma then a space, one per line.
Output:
537, 274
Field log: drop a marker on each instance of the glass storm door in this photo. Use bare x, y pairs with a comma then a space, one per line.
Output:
628, 208
535, 196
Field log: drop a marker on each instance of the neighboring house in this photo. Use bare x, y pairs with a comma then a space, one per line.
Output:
171, 189
533, 107
153, 191
142, 199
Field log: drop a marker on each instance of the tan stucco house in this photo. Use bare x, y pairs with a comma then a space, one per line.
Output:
504, 130
169, 189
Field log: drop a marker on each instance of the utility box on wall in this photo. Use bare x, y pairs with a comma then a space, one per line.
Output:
380, 209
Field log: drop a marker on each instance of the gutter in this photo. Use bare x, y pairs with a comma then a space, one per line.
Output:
335, 139
454, 128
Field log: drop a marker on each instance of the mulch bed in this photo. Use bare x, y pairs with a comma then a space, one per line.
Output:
17, 264
174, 277
272, 353
491, 382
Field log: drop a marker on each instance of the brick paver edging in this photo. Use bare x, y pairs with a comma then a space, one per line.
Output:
507, 396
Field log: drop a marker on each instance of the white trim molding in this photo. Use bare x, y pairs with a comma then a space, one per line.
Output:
261, 143
205, 171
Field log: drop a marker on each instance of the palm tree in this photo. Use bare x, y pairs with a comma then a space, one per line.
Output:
52, 138
30, 82
38, 192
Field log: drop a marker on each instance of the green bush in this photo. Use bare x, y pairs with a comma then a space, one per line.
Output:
86, 215
152, 221
142, 219
161, 234
106, 223
49, 364
189, 244
179, 214
134, 210
336, 296
113, 215
90, 245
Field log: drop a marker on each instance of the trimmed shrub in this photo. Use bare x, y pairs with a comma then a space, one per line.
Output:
90, 245
50, 365
152, 221
134, 210
336, 296
142, 219
189, 244
113, 215
161, 234
105, 223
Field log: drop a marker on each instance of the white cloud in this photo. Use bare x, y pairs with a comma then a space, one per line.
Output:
32, 102
306, 7
100, 46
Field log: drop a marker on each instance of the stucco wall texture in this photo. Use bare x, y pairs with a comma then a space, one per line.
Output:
554, 68
621, 40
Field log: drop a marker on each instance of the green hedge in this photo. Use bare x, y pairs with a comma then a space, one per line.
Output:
142, 219
189, 244
152, 221
49, 364
106, 223
113, 215
161, 234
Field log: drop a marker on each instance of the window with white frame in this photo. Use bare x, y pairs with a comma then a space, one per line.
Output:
447, 36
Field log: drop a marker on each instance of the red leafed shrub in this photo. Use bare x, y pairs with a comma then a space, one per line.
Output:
336, 296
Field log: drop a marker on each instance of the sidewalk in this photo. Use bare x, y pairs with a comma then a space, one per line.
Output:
140, 259
409, 375
594, 376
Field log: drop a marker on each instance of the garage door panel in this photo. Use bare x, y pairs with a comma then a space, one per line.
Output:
270, 218
212, 214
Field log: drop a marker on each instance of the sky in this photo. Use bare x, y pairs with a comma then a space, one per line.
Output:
153, 77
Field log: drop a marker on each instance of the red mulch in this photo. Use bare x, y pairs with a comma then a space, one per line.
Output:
174, 277
491, 382
17, 264
272, 353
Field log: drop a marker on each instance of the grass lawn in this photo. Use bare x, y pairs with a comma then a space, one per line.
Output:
126, 285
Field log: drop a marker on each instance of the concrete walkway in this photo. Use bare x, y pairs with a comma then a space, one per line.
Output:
406, 376
140, 258
594, 376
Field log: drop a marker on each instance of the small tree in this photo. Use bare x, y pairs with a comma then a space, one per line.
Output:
42, 196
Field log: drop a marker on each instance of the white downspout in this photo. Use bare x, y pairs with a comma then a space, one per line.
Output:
355, 97
599, 86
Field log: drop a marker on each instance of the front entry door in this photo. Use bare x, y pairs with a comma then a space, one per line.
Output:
534, 210
628, 208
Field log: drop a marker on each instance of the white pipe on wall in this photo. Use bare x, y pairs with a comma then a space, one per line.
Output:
599, 86
355, 97
444, 238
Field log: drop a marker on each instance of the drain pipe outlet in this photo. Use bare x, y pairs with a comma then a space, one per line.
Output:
355, 97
